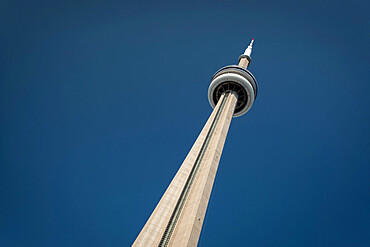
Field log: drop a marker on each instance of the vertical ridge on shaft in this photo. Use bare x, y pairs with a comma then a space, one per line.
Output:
180, 203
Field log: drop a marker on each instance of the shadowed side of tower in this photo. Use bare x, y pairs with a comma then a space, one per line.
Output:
177, 219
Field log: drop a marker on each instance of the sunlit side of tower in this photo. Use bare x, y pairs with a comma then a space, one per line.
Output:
177, 219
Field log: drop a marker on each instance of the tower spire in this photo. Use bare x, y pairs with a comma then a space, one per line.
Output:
248, 51
245, 59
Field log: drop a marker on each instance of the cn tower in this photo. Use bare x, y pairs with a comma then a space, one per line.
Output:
178, 218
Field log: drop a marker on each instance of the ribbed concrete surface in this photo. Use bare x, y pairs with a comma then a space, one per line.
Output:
189, 224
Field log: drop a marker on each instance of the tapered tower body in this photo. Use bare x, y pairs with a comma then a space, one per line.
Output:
177, 219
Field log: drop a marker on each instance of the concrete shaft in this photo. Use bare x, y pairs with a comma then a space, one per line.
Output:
177, 219
243, 62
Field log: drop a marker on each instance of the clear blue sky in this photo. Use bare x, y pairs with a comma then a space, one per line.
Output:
100, 101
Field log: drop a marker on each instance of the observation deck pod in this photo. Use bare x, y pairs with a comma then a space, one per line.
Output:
236, 79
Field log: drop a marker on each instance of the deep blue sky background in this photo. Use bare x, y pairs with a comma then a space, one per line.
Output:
100, 101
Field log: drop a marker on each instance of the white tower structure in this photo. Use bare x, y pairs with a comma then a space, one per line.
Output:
178, 217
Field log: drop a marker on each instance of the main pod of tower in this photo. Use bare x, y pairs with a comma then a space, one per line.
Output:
178, 217
235, 79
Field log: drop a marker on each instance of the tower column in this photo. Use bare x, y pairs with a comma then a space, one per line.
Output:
191, 219
178, 217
